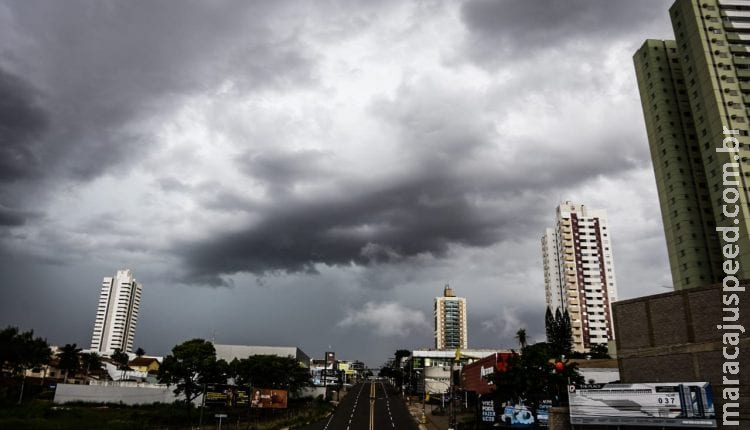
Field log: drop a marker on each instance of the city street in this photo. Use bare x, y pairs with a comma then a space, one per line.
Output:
370, 405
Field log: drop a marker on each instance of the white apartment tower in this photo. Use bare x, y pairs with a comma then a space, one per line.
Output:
579, 272
450, 321
117, 313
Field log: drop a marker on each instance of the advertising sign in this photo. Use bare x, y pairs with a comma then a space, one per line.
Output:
268, 398
241, 396
477, 377
493, 413
218, 395
679, 404
226, 395
517, 416
488, 412
542, 413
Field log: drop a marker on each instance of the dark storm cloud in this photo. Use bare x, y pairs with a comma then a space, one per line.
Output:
282, 170
216, 142
10, 217
22, 122
466, 184
110, 70
387, 223
518, 27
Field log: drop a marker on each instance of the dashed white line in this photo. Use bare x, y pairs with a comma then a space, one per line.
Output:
356, 400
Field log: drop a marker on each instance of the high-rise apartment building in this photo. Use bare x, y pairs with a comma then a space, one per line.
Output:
117, 313
450, 321
579, 273
692, 89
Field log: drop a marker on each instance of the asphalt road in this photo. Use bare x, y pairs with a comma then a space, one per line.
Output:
369, 406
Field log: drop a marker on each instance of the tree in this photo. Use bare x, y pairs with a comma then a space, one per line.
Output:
521, 336
270, 371
188, 367
140, 352
559, 333
121, 359
566, 334
399, 355
69, 360
531, 377
20, 351
91, 362
549, 325
599, 350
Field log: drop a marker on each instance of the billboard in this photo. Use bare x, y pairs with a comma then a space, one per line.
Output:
264, 398
488, 417
494, 413
241, 396
226, 395
217, 395
679, 404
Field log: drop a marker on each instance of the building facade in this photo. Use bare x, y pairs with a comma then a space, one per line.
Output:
230, 352
579, 273
478, 377
117, 313
673, 337
694, 90
430, 370
450, 321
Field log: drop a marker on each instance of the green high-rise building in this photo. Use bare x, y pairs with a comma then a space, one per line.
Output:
693, 89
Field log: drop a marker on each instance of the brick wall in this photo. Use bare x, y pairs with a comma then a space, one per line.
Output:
673, 337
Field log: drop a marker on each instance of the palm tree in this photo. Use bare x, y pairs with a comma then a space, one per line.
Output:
121, 359
140, 352
521, 336
92, 362
69, 360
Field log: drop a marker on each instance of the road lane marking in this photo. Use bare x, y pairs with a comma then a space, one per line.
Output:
372, 406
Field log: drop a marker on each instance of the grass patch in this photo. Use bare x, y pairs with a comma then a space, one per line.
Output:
44, 415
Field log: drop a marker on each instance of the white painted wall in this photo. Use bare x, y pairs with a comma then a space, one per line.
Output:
128, 395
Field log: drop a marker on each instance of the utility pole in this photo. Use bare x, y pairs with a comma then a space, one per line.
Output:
203, 405
452, 421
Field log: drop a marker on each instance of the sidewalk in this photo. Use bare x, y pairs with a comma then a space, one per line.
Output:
432, 422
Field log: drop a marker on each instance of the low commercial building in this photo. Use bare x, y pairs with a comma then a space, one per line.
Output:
230, 352
477, 377
429, 370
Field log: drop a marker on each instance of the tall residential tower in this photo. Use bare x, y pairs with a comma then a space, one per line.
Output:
579, 273
692, 89
117, 313
450, 321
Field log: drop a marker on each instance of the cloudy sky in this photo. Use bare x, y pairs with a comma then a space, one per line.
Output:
313, 173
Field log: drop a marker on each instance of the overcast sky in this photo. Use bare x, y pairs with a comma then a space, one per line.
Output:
313, 173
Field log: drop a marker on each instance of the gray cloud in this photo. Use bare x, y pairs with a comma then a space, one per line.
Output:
359, 227
342, 154
460, 181
22, 123
523, 28
110, 70
13, 217
281, 171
